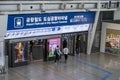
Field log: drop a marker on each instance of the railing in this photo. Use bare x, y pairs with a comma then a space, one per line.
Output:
20, 7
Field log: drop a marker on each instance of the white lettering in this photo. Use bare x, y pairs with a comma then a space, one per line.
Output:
38, 19
32, 19
45, 19
28, 20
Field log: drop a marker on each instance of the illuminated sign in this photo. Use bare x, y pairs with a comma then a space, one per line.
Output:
28, 25
53, 43
18, 22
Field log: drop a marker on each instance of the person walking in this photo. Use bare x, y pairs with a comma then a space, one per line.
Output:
65, 51
57, 54
31, 50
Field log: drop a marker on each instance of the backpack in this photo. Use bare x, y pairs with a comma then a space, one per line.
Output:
55, 51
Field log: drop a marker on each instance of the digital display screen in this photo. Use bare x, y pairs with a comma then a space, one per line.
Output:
19, 52
53, 43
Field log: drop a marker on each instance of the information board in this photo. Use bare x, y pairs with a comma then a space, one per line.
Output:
28, 25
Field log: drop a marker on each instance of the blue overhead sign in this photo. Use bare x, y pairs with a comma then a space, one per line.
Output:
28, 21
29, 25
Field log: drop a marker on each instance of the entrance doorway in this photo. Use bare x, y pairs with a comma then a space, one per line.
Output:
81, 42
76, 42
37, 49
68, 41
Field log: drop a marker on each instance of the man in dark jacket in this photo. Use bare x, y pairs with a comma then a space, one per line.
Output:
56, 53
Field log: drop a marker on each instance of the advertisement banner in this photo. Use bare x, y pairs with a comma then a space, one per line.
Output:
53, 43
19, 54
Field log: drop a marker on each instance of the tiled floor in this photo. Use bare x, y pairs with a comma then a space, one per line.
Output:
82, 67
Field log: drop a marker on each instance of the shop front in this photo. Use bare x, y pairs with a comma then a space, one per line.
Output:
112, 38
45, 31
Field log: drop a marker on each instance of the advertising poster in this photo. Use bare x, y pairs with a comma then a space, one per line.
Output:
53, 43
20, 54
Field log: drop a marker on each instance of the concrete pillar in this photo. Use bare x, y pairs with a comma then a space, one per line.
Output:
91, 33
3, 26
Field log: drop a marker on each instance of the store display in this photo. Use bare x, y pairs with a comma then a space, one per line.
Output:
113, 40
112, 43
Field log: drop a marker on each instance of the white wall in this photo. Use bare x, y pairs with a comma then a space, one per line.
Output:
106, 25
116, 15
3, 26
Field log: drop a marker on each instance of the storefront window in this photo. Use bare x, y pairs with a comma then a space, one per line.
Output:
112, 43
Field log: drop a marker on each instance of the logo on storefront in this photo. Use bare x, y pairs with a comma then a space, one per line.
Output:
18, 22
